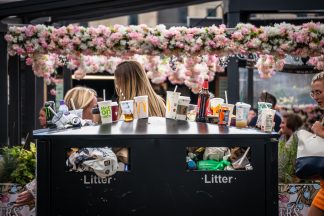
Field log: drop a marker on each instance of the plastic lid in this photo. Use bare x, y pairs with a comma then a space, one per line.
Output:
114, 104
62, 102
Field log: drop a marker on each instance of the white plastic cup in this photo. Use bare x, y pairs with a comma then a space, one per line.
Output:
141, 107
78, 112
127, 110
182, 107
267, 119
242, 112
105, 111
262, 106
171, 104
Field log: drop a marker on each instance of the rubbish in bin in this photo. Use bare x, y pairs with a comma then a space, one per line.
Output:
102, 161
212, 164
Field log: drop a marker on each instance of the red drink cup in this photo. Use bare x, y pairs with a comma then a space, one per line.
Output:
114, 110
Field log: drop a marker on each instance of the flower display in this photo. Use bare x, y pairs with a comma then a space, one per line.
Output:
196, 50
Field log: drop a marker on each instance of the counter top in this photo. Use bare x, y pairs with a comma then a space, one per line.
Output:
156, 126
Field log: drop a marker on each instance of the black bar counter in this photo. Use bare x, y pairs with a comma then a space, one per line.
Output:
158, 182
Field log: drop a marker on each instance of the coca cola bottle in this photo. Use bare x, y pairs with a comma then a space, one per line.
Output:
203, 103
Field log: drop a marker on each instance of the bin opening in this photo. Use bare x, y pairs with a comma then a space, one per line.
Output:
103, 161
218, 158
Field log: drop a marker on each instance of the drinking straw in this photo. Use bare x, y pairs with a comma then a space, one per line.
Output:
175, 89
104, 94
72, 103
245, 153
54, 113
226, 100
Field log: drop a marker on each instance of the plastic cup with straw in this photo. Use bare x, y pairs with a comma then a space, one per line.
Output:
77, 112
59, 119
172, 103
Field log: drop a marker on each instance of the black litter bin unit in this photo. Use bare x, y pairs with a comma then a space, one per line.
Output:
157, 182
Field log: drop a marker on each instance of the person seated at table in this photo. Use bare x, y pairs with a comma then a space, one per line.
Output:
131, 81
83, 98
267, 97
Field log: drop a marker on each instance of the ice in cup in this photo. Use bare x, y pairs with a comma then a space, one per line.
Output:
127, 110
192, 112
141, 107
182, 107
171, 104
242, 112
215, 105
114, 110
105, 111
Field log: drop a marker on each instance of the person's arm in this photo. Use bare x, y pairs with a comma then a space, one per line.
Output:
27, 196
318, 129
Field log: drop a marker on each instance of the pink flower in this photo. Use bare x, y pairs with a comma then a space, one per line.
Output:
8, 37
29, 61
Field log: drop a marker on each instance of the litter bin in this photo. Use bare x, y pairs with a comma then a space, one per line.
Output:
158, 182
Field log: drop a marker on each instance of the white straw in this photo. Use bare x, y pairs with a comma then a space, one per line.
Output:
104, 94
175, 89
245, 153
50, 108
72, 103
226, 100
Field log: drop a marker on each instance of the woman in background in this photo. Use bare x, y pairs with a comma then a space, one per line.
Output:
83, 98
131, 81
290, 123
317, 93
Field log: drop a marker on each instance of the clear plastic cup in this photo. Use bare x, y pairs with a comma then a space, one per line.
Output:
182, 107
105, 111
127, 110
242, 112
192, 112
78, 112
215, 105
141, 107
171, 104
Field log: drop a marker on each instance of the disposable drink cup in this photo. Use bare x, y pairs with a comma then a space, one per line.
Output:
105, 111
262, 106
114, 110
78, 112
171, 104
60, 120
231, 108
182, 107
242, 111
267, 119
128, 110
192, 112
224, 115
215, 105
141, 107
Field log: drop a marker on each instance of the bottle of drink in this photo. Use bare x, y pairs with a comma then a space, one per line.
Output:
63, 108
203, 103
49, 114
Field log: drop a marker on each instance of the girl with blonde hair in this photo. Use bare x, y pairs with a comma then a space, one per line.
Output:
131, 81
83, 98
